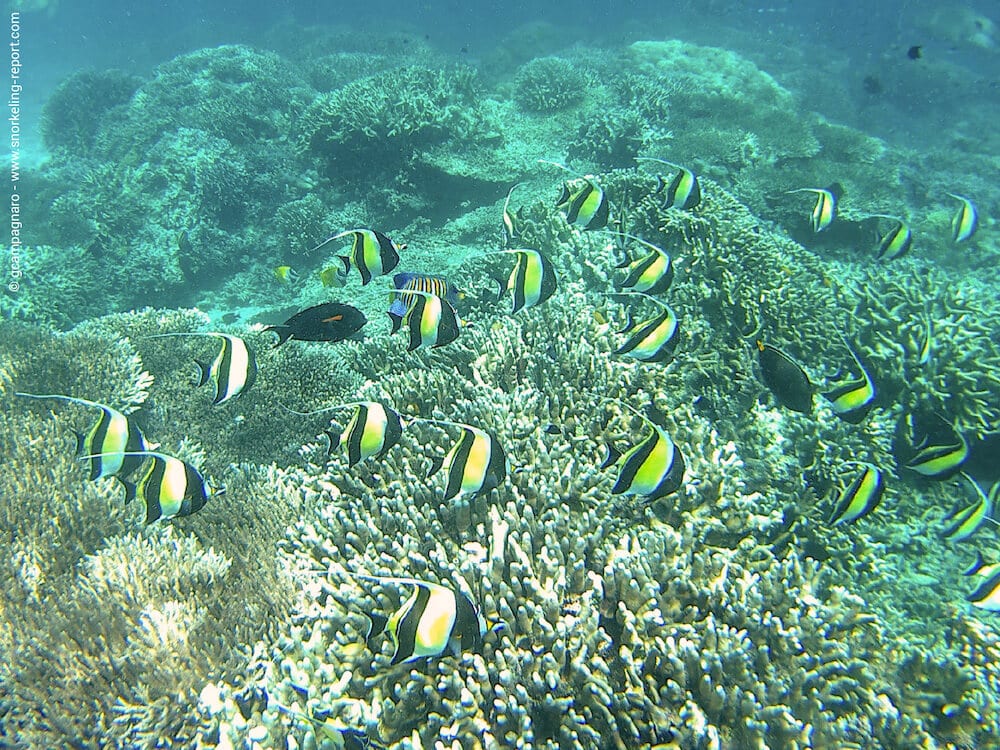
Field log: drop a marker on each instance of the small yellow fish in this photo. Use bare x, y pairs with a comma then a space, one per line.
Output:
335, 275
285, 274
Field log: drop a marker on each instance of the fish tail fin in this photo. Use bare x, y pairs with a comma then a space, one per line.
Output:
376, 626
284, 333
204, 372
130, 489
611, 455
334, 441
436, 463
629, 322
501, 287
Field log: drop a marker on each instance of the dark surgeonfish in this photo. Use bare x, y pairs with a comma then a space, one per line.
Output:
860, 497
653, 339
111, 444
532, 280
437, 285
476, 462
330, 321
682, 192
168, 487
435, 620
584, 202
896, 242
233, 370
650, 274
653, 468
852, 400
825, 210
429, 319
372, 253
785, 378
965, 221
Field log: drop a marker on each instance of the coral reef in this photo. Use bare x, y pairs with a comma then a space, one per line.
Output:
108, 633
73, 112
548, 84
728, 614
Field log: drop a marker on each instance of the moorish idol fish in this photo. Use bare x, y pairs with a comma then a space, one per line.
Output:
335, 275
436, 285
339, 735
860, 497
682, 192
233, 370
940, 459
650, 274
111, 443
435, 620
896, 242
785, 378
169, 487
476, 463
926, 344
532, 280
372, 253
964, 522
430, 320
331, 321
509, 229
987, 593
651, 340
825, 210
585, 203
981, 567
965, 220
653, 468
372, 431
853, 400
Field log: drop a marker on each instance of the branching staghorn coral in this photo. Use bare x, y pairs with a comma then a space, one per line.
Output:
960, 377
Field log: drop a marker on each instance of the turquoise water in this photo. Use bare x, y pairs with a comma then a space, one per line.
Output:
682, 433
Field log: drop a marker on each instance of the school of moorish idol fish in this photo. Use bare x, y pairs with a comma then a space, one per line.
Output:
436, 619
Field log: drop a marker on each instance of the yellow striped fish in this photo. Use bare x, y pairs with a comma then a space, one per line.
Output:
233, 370
860, 497
372, 252
111, 445
825, 210
476, 463
435, 620
653, 339
852, 400
965, 221
653, 468
682, 192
